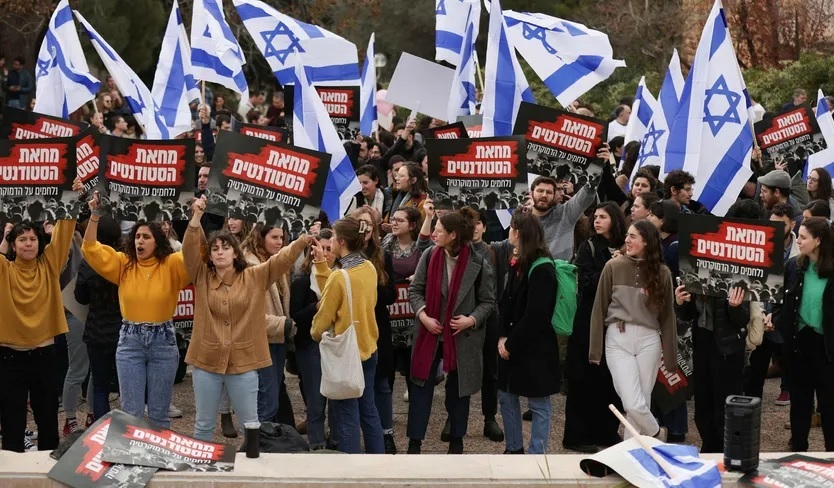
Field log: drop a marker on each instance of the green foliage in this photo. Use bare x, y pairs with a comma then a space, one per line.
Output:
774, 87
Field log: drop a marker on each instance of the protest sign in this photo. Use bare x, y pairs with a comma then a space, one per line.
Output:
267, 182
87, 158
717, 254
341, 103
82, 467
131, 440
561, 144
474, 124
422, 85
23, 124
184, 313
673, 388
36, 179
274, 134
402, 317
451, 131
789, 138
488, 173
146, 180
791, 471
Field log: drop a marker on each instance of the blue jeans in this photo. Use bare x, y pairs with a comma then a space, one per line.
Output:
309, 368
269, 383
383, 397
511, 413
243, 392
15, 104
147, 357
350, 414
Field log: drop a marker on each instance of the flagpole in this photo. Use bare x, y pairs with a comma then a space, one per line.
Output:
478, 70
203, 94
664, 464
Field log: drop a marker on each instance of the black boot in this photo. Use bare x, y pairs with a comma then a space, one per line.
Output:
527, 416
493, 431
445, 436
228, 425
390, 445
414, 446
520, 451
456, 445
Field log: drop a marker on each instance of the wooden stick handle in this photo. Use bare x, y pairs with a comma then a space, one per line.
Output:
664, 464
203, 94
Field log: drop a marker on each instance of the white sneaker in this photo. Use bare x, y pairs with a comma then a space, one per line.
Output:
174, 412
31, 434
405, 396
28, 446
662, 434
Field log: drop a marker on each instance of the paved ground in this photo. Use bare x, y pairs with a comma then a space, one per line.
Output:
774, 435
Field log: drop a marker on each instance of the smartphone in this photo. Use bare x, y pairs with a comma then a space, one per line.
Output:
679, 281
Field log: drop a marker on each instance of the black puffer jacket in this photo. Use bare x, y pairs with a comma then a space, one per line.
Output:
104, 319
786, 315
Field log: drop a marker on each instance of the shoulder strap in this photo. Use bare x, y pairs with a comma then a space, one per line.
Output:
349, 293
538, 262
593, 248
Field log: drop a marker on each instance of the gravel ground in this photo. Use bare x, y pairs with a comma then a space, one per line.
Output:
774, 436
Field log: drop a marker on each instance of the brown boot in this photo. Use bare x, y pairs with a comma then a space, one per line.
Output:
228, 425
302, 427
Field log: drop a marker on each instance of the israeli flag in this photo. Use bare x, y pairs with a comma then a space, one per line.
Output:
279, 38
216, 55
641, 114
462, 99
825, 158
64, 82
690, 470
653, 139
569, 57
135, 93
368, 118
669, 99
174, 86
505, 85
313, 129
711, 136
452, 20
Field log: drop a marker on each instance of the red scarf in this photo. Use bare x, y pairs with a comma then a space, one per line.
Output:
426, 342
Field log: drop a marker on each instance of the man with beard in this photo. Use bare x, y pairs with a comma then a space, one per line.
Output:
559, 219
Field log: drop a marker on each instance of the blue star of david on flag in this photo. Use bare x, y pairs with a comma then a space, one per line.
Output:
716, 121
649, 144
441, 8
531, 31
43, 67
281, 30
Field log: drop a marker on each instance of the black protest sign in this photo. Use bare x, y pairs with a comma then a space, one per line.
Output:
146, 180
82, 467
22, 124
474, 124
791, 471
36, 177
341, 103
673, 388
87, 158
451, 131
268, 182
184, 313
717, 254
402, 317
561, 144
274, 134
789, 138
132, 440
488, 173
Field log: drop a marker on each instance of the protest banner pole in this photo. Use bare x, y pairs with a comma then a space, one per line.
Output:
664, 465
478, 70
203, 93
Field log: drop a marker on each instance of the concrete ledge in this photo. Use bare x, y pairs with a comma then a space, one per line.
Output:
360, 471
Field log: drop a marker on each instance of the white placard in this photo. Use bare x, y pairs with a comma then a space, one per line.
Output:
421, 85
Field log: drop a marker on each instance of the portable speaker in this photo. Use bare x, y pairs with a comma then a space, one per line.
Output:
742, 432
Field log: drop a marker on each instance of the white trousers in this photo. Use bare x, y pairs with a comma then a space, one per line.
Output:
633, 356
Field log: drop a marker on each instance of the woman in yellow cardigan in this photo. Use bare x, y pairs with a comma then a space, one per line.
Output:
150, 276
334, 311
33, 314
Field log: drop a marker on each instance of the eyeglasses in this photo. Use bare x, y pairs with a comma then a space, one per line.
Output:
813, 180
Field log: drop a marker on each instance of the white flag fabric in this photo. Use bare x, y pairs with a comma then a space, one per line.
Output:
367, 95
462, 99
823, 159
669, 100
216, 55
653, 140
135, 93
64, 82
313, 129
711, 136
451, 21
569, 57
505, 85
279, 38
639, 121
174, 85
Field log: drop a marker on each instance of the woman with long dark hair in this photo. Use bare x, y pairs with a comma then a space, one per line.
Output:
453, 294
819, 187
634, 317
230, 327
588, 423
372, 193
806, 321
411, 186
817, 208
150, 276
528, 346
33, 314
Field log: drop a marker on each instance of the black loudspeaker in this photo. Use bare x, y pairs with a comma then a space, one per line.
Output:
742, 432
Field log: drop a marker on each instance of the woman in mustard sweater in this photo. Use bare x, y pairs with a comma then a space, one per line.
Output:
33, 314
334, 312
150, 276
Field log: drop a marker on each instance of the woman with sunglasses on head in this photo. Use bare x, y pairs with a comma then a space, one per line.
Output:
150, 276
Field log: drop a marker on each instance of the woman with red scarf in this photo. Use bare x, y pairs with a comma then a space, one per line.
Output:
448, 273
